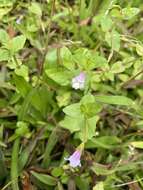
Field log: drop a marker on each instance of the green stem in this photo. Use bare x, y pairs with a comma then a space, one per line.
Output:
14, 164
85, 130
48, 35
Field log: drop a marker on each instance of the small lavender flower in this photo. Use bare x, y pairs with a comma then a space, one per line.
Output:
18, 20
74, 159
78, 82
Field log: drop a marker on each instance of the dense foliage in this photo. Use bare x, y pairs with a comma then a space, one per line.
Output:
71, 95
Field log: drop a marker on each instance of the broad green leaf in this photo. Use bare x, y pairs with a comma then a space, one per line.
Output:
117, 67
4, 55
113, 40
89, 60
22, 71
73, 110
82, 183
99, 186
129, 12
106, 23
87, 131
89, 107
60, 76
139, 49
46, 179
4, 37
137, 144
72, 124
17, 43
51, 58
116, 100
57, 171
41, 100
35, 8
67, 58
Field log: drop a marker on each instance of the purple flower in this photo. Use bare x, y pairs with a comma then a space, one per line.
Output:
74, 159
18, 21
78, 82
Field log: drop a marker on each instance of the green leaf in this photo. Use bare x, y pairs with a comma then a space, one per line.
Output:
82, 183
139, 49
4, 55
67, 58
22, 86
25, 105
35, 8
72, 124
100, 169
99, 186
46, 179
57, 171
106, 23
129, 12
116, 100
3, 170
117, 67
4, 11
88, 128
41, 100
52, 141
4, 37
106, 142
60, 76
137, 144
89, 60
17, 43
22, 71
63, 99
113, 40
73, 110
89, 107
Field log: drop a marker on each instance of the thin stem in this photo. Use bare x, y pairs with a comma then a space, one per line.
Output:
47, 38
14, 164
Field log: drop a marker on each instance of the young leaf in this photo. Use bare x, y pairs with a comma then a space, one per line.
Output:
129, 12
